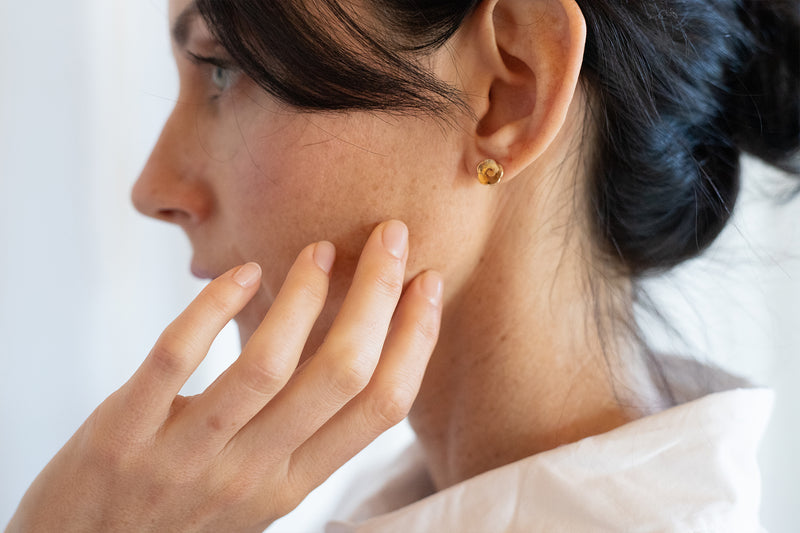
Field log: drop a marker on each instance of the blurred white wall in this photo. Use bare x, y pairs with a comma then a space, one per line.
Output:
86, 284
739, 306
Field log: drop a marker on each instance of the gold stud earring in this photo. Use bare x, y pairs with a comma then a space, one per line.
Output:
490, 172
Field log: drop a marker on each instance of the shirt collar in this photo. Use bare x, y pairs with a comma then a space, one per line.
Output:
689, 468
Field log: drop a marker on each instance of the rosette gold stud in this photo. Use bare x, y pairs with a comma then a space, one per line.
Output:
490, 172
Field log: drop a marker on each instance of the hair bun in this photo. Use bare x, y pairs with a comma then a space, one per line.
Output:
679, 90
765, 112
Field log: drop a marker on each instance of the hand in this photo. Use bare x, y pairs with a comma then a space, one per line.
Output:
261, 437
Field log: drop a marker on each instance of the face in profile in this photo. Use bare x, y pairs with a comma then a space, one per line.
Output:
249, 178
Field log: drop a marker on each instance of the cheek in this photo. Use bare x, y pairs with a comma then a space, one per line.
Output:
300, 180
276, 198
297, 180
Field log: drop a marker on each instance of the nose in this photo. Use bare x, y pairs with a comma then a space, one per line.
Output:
171, 186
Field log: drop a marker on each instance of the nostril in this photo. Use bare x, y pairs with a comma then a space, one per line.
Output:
169, 197
175, 216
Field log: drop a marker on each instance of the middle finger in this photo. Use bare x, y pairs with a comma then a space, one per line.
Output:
345, 361
269, 358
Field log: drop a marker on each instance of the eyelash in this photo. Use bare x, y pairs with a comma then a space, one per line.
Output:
231, 71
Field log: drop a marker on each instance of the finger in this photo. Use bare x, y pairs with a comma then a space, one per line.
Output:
186, 341
390, 394
344, 363
270, 357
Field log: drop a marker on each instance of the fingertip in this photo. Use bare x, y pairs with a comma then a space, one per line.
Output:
247, 275
395, 238
325, 255
432, 286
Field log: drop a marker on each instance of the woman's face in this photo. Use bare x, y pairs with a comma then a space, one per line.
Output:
251, 179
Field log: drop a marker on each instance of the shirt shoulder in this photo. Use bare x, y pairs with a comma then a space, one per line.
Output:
689, 468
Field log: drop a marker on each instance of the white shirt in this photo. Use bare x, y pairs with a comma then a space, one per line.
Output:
691, 468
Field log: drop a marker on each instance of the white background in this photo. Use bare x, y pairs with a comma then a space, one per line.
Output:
86, 284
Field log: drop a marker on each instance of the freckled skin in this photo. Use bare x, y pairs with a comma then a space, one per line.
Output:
263, 180
250, 179
512, 371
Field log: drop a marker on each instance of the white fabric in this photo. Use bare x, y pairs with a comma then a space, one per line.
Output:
691, 468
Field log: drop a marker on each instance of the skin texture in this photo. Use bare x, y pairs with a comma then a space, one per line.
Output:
518, 368
249, 179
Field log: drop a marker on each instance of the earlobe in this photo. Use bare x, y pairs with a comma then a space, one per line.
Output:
526, 71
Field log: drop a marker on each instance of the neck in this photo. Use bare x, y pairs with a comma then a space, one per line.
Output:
524, 359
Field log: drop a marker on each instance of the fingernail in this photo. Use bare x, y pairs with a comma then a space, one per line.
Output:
248, 275
433, 287
324, 255
395, 238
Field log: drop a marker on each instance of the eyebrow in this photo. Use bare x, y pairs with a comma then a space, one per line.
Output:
180, 29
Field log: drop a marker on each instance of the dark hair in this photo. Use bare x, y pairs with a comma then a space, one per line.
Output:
677, 89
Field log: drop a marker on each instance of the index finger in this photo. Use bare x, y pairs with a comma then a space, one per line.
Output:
185, 342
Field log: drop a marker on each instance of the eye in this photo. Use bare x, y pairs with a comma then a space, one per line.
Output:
222, 78
222, 74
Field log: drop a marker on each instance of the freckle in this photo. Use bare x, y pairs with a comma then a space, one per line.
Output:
214, 423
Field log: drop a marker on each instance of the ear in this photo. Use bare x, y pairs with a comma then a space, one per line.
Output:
522, 60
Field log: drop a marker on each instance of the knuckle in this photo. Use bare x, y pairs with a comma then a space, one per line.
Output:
428, 329
233, 491
314, 291
388, 282
286, 500
168, 354
231, 482
392, 405
348, 379
246, 490
263, 377
299, 483
217, 302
